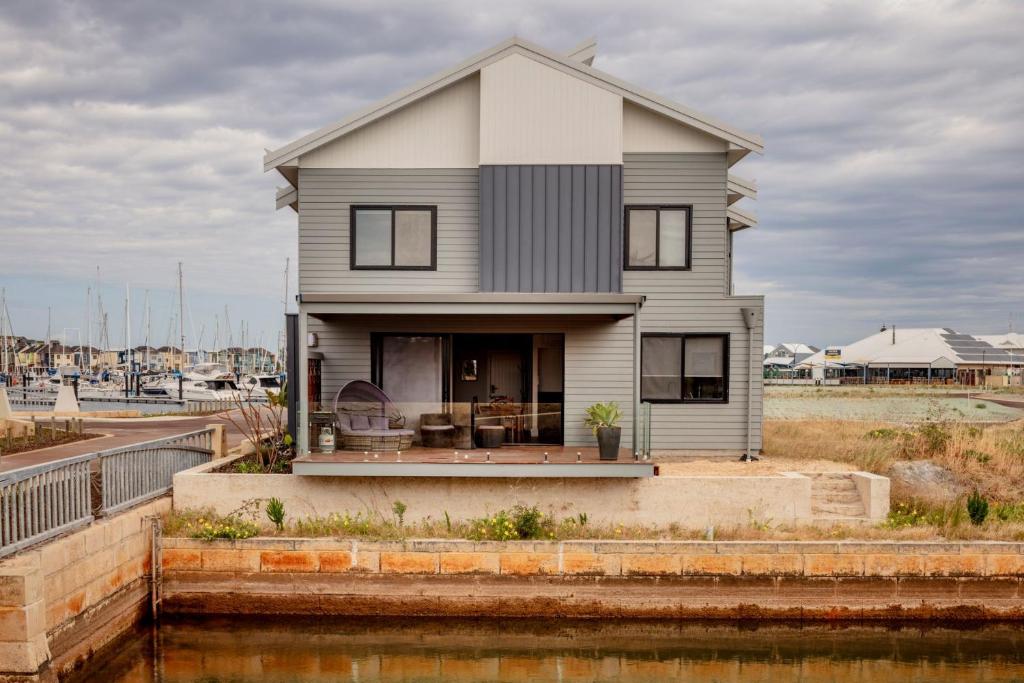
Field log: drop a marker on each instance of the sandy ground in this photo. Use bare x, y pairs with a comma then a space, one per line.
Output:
734, 468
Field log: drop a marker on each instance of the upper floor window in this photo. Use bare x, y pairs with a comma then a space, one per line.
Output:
393, 237
658, 237
684, 368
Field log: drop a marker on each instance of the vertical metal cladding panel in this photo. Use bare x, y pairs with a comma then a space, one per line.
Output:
551, 228
539, 223
487, 232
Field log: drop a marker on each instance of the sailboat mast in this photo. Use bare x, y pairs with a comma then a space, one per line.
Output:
128, 327
3, 325
149, 322
88, 326
181, 316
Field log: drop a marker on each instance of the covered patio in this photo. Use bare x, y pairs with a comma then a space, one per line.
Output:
526, 365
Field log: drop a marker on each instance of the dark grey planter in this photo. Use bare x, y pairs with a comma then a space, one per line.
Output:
608, 439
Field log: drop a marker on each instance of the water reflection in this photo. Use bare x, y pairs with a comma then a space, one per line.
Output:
314, 651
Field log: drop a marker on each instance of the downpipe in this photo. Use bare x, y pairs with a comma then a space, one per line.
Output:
750, 321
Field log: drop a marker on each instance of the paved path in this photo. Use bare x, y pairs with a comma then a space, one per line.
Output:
1008, 400
122, 432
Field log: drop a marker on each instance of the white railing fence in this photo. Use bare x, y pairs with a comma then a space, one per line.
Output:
43, 501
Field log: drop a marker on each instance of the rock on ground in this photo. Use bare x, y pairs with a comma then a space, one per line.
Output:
925, 479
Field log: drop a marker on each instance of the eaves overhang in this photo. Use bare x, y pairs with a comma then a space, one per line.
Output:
738, 188
738, 219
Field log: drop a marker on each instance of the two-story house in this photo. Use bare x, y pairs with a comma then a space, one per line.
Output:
524, 233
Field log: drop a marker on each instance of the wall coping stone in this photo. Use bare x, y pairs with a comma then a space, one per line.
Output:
609, 546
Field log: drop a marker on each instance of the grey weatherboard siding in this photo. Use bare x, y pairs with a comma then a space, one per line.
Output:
598, 352
551, 228
697, 300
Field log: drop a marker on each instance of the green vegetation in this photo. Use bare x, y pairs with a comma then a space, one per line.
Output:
399, 508
977, 508
206, 525
275, 513
603, 415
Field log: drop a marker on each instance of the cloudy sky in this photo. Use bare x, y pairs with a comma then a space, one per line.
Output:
892, 188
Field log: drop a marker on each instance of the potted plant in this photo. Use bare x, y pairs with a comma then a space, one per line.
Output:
603, 419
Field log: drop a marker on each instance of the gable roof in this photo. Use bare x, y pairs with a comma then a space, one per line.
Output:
916, 346
740, 142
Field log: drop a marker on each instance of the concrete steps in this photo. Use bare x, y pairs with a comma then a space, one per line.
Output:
834, 497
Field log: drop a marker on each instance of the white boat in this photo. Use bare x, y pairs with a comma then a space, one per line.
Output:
210, 389
203, 371
256, 386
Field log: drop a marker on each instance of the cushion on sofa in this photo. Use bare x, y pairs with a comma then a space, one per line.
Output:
359, 422
344, 423
378, 422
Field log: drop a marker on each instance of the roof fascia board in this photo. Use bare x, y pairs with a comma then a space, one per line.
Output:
620, 310
745, 142
471, 297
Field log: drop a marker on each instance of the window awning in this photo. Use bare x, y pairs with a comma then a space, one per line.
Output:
472, 303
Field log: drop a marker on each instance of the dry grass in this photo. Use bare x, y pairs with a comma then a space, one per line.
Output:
988, 458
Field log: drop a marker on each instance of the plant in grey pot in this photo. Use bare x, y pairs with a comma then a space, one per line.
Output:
603, 419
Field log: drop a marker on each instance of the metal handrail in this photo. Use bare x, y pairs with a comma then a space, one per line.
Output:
42, 501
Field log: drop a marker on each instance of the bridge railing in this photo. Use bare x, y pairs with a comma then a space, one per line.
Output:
43, 501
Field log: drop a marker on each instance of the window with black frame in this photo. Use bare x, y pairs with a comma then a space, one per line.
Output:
658, 237
393, 237
684, 368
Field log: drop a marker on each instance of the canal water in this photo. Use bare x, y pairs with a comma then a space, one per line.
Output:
271, 650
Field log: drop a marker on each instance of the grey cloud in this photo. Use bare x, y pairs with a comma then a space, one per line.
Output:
132, 134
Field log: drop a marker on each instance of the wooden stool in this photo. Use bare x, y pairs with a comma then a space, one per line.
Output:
490, 436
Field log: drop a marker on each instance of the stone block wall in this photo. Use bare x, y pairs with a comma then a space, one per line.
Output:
596, 578
74, 594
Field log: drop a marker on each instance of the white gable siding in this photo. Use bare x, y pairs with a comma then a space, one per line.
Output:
439, 131
645, 131
533, 114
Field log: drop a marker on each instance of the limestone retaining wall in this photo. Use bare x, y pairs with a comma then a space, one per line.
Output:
813, 580
72, 595
695, 502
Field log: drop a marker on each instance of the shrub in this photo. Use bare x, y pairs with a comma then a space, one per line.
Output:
520, 523
977, 508
528, 521
275, 513
936, 436
399, 508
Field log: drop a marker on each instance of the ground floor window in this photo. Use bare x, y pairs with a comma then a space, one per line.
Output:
684, 368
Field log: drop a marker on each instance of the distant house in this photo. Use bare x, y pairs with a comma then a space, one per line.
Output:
916, 355
1011, 341
782, 359
522, 236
